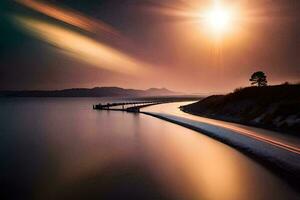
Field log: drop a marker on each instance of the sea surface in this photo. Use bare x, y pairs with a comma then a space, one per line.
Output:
60, 148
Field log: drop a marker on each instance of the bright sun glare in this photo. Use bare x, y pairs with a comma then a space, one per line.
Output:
219, 19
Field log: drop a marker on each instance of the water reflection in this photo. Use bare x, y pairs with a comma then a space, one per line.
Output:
62, 149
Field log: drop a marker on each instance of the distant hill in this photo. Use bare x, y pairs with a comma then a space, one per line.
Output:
93, 92
274, 107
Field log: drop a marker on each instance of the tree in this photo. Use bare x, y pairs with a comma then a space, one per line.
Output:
259, 78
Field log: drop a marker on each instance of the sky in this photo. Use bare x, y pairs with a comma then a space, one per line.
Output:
141, 44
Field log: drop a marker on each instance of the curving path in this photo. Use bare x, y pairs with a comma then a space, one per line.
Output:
280, 151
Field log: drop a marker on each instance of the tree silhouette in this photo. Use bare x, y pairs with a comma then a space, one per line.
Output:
259, 78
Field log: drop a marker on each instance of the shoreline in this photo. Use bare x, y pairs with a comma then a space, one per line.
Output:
281, 162
257, 125
274, 107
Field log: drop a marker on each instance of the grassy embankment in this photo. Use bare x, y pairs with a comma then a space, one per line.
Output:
272, 107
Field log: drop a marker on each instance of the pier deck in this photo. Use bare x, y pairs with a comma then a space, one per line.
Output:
127, 106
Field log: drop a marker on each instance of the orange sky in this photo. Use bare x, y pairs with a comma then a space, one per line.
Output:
148, 44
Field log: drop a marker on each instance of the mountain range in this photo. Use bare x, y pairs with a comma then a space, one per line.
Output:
92, 92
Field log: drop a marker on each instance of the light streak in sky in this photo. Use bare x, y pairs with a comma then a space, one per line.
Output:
82, 47
69, 16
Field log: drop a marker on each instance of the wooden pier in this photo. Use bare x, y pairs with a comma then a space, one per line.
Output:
127, 106
135, 105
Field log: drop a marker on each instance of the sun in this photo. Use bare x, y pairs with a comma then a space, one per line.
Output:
219, 19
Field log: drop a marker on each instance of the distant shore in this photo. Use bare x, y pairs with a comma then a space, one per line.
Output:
89, 92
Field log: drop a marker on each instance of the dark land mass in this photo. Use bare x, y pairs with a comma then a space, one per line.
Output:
271, 107
93, 92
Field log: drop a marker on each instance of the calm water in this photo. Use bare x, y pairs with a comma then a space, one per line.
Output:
62, 149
